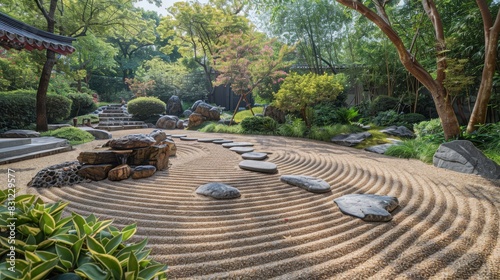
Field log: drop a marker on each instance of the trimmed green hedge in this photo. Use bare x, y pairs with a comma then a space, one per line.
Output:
82, 104
145, 107
19, 108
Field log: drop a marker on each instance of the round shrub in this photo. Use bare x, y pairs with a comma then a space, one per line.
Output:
74, 135
58, 108
428, 128
145, 107
259, 125
383, 103
83, 103
386, 118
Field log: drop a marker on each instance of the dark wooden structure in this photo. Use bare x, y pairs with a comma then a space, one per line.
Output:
17, 35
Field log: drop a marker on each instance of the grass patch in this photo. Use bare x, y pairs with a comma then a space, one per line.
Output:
377, 138
221, 128
247, 113
325, 133
74, 135
414, 148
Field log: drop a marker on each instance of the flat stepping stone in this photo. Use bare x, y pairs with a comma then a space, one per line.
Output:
209, 140
350, 140
188, 139
178, 135
368, 207
218, 191
241, 150
222, 141
237, 144
379, 149
259, 166
308, 183
254, 156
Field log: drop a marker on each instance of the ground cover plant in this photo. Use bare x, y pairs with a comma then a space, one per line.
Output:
50, 245
74, 135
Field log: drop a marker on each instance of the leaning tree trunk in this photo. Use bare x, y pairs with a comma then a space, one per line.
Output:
491, 33
41, 94
441, 99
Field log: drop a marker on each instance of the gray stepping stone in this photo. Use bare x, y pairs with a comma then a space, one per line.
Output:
209, 140
222, 141
237, 144
178, 135
241, 150
254, 156
307, 183
368, 207
379, 149
218, 191
188, 139
259, 166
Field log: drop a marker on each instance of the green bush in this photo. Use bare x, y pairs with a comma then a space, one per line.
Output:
145, 107
74, 135
293, 127
50, 246
18, 109
345, 115
387, 118
430, 130
83, 103
58, 108
259, 125
383, 103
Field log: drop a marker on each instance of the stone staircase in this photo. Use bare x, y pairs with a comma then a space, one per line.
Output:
115, 117
18, 149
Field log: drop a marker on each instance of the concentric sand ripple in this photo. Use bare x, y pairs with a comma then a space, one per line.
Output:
447, 225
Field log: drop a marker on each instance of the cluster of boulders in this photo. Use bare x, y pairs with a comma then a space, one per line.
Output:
196, 115
135, 155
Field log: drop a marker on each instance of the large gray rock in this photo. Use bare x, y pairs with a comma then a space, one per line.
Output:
98, 134
307, 183
208, 111
218, 191
368, 207
20, 133
462, 156
379, 149
259, 166
401, 131
350, 140
167, 122
131, 141
196, 119
174, 106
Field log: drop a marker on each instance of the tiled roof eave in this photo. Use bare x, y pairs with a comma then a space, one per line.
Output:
18, 35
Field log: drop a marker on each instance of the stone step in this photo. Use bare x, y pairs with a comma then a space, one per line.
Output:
120, 127
111, 115
116, 111
108, 123
40, 146
116, 119
12, 142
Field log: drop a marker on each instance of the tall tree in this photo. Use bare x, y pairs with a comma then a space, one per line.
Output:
197, 29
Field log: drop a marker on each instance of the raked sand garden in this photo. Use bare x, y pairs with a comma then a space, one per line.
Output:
447, 225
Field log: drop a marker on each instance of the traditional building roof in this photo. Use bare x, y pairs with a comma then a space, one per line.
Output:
18, 35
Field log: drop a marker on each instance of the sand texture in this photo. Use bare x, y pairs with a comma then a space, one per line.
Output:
446, 227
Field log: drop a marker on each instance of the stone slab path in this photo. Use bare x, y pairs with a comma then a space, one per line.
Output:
447, 224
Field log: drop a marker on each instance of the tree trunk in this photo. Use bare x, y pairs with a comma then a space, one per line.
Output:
441, 99
491, 32
41, 94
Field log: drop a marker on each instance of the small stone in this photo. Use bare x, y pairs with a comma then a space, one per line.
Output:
188, 139
368, 207
307, 183
179, 135
209, 140
241, 150
218, 191
143, 171
236, 144
222, 141
254, 156
259, 166
98, 134
121, 172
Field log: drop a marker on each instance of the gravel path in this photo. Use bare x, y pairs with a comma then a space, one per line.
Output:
447, 225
